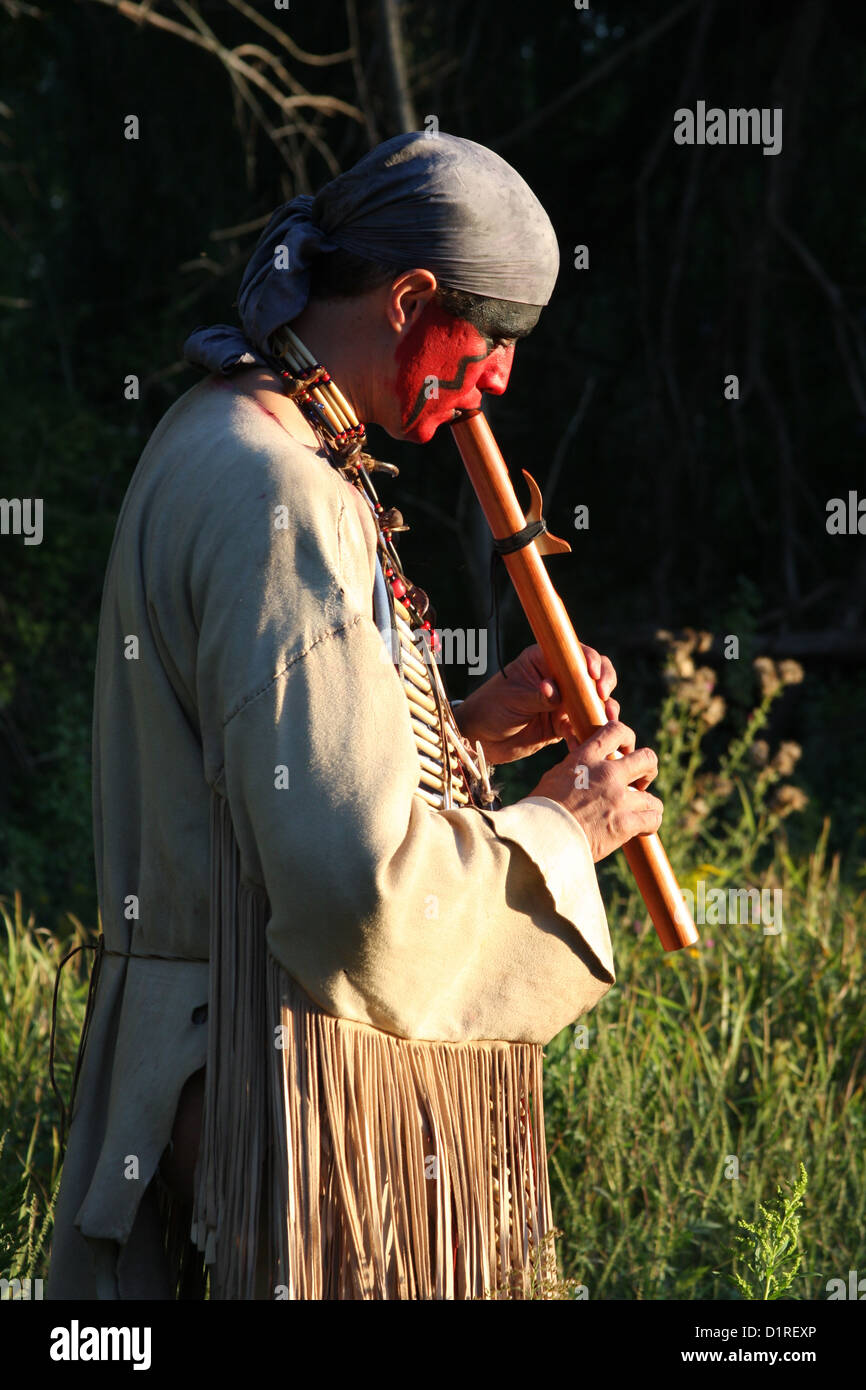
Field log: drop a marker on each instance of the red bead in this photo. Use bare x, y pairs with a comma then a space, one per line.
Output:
399, 588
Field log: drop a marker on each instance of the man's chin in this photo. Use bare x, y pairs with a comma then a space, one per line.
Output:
419, 433
423, 430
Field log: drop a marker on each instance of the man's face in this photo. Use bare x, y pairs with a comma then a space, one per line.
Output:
444, 364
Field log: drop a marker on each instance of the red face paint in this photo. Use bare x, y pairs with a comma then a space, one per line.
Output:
443, 365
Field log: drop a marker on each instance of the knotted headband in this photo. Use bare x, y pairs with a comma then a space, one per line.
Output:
436, 202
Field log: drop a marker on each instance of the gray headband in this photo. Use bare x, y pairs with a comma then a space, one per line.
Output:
436, 202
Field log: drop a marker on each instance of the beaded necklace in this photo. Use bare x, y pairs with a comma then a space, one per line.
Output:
449, 774
312, 388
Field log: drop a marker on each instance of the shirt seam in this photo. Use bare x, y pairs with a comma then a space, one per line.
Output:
256, 694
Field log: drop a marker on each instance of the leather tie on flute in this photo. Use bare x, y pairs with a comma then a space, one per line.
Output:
555, 635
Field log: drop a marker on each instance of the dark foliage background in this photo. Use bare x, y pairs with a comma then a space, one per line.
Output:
704, 261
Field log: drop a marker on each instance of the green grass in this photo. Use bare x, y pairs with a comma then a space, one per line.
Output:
748, 1050
29, 1115
708, 1075
711, 1074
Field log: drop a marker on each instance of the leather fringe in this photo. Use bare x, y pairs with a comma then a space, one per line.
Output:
186, 1270
231, 1173
341, 1162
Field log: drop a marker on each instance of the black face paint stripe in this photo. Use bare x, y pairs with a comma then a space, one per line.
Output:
446, 385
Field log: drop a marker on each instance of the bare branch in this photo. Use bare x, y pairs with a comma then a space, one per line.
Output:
140, 13
842, 644
255, 50
841, 315
314, 60
229, 57
358, 70
241, 229
404, 110
598, 73
16, 8
280, 132
201, 263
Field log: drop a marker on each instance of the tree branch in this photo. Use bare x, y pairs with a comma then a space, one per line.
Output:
598, 73
404, 110
315, 60
141, 13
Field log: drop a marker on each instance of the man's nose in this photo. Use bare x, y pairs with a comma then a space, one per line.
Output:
497, 370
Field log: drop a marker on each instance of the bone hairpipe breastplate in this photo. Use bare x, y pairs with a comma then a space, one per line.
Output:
448, 774
442, 780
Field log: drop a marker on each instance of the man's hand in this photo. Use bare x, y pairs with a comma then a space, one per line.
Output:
598, 793
516, 717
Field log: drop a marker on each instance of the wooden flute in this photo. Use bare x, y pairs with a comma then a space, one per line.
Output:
557, 638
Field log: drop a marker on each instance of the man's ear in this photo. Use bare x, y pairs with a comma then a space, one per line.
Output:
408, 296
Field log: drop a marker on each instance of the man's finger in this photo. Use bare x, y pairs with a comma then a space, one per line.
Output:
640, 766
593, 661
607, 679
650, 812
562, 724
610, 738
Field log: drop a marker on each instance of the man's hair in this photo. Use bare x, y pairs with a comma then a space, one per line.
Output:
343, 275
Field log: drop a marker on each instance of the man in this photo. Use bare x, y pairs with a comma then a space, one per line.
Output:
328, 966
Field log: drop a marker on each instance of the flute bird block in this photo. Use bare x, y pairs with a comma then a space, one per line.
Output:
545, 544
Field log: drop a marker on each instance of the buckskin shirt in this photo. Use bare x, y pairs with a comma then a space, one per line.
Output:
254, 790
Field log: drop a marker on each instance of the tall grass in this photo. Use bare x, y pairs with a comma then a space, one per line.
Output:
707, 1076
680, 1105
749, 1050
30, 1156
